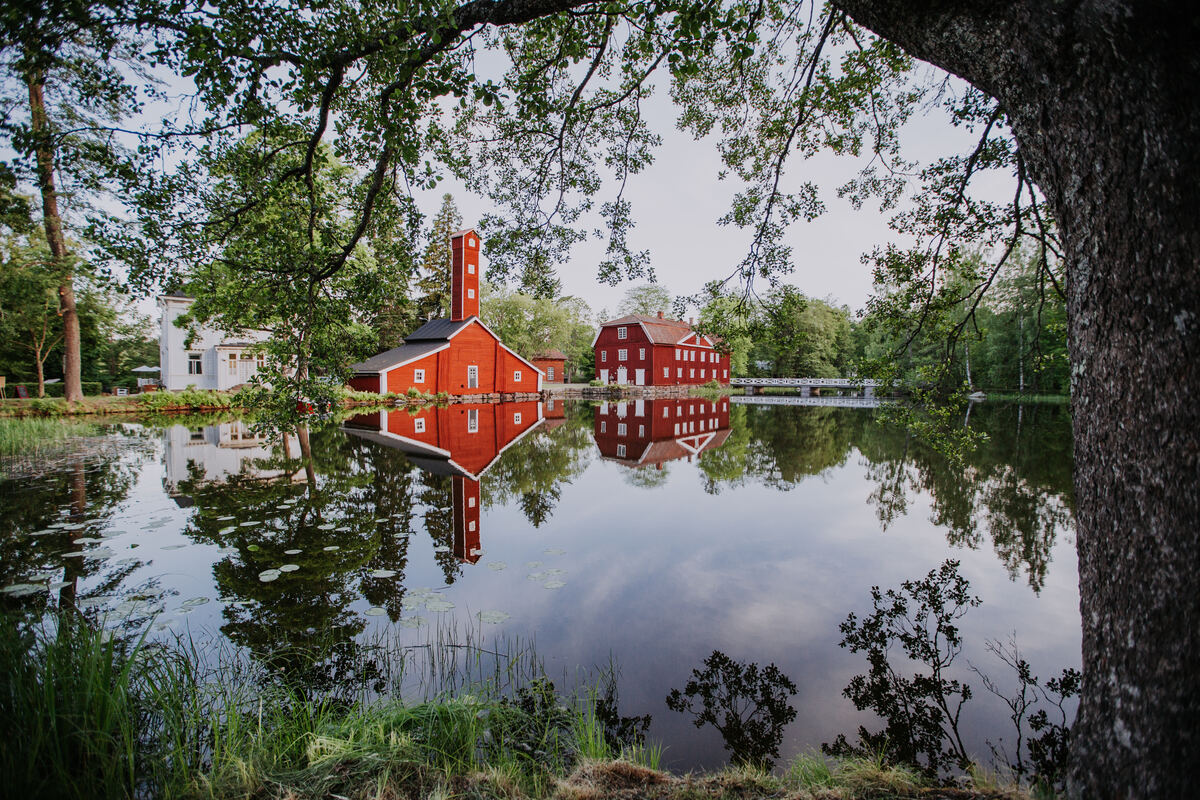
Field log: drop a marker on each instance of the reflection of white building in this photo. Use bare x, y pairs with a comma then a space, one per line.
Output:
211, 360
214, 453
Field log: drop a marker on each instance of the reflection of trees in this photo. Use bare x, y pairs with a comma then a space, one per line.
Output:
1015, 488
78, 493
534, 470
1017, 485
748, 706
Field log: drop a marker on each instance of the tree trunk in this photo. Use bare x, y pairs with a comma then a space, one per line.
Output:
1103, 99
41, 372
52, 222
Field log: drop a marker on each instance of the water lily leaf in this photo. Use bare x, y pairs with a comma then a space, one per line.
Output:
253, 548
163, 624
438, 604
410, 622
496, 565
412, 601
343, 529
533, 564
173, 547
196, 601
492, 617
56, 585
293, 552
554, 551
330, 548
22, 589
225, 519
289, 568
375, 611
227, 529
327, 526
383, 573
441, 548
555, 584
268, 575
249, 523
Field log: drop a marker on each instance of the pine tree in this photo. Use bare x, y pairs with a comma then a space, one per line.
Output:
433, 285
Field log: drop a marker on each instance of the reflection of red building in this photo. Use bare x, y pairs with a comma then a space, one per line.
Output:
462, 441
460, 355
643, 432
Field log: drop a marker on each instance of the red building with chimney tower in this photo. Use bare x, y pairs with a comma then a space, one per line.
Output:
460, 355
655, 351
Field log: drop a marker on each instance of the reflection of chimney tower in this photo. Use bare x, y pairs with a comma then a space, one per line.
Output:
464, 275
466, 519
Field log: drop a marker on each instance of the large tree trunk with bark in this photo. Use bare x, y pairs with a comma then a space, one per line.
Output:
1104, 98
52, 223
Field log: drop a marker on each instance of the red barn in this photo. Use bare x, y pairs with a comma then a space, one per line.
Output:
641, 433
463, 441
553, 365
655, 351
460, 355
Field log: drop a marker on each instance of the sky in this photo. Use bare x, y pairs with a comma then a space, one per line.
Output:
678, 201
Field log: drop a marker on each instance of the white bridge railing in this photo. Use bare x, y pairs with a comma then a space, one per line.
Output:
841, 383
796, 400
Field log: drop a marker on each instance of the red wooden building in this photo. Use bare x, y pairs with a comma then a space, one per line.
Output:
463, 440
642, 433
460, 355
553, 364
654, 351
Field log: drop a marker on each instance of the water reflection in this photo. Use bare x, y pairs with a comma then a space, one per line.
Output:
651, 433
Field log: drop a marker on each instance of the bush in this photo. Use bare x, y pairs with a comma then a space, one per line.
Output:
595, 382
48, 406
188, 398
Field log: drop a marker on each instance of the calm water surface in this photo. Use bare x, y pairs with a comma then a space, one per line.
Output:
641, 534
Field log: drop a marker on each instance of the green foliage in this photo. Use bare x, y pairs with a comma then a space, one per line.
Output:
921, 712
530, 325
48, 406
190, 398
433, 285
748, 706
647, 300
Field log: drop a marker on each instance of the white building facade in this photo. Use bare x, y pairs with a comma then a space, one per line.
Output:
211, 359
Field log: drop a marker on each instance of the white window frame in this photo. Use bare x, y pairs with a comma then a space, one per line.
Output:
641, 354
418, 376
470, 294
641, 431
419, 425
691, 373
622, 355
622, 332
621, 429
473, 420
516, 376
517, 418
470, 269
473, 376
620, 451
549, 373
604, 356
603, 426
666, 412
195, 363
666, 372
233, 364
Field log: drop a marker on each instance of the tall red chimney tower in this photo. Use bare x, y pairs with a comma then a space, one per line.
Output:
464, 275
466, 519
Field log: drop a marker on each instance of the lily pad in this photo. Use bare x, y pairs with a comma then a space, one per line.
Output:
268, 575
22, 589
441, 548
496, 565
554, 551
492, 617
383, 573
253, 548
250, 523
225, 519
173, 546
227, 529
375, 611
410, 622
533, 564
555, 584
195, 601
438, 604
293, 552
326, 526
330, 548
289, 568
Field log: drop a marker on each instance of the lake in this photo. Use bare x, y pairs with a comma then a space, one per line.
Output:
633, 538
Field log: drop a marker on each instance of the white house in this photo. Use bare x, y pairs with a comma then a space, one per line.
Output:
213, 360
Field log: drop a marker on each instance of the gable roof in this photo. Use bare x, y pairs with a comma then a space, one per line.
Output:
431, 337
550, 355
397, 356
658, 331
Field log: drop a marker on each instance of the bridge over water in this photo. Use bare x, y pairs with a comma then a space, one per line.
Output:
798, 400
805, 386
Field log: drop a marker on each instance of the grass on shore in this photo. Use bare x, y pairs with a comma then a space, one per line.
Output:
30, 436
91, 716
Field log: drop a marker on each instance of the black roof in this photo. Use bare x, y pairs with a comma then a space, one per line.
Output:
396, 355
437, 329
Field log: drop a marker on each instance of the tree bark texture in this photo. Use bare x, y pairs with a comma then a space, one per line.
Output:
1104, 99
52, 223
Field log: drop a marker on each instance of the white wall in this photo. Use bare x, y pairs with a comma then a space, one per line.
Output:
173, 355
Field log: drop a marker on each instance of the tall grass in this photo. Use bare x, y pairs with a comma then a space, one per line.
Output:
29, 435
